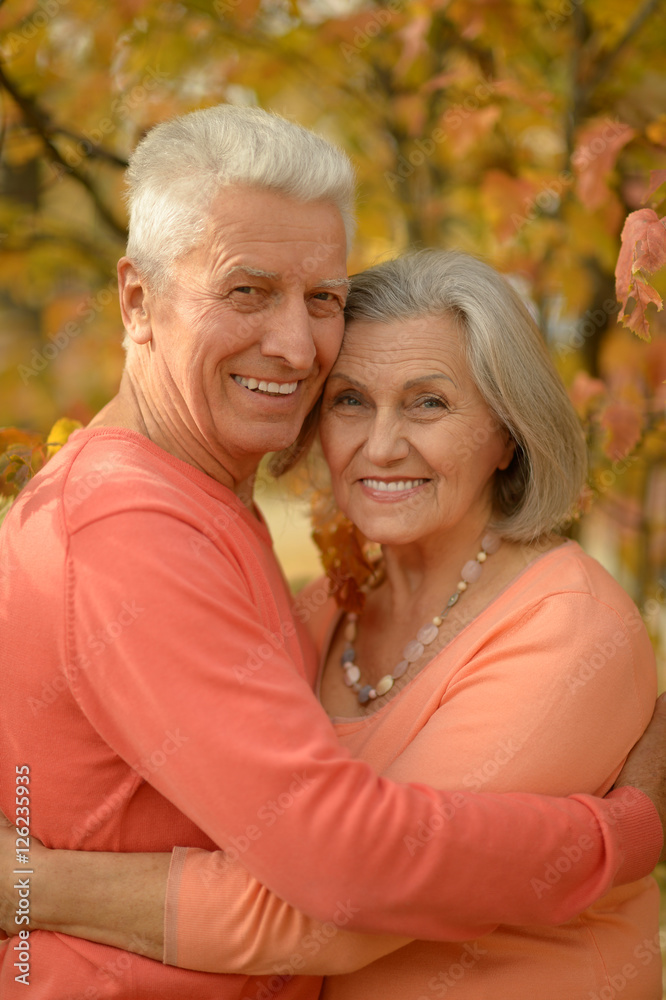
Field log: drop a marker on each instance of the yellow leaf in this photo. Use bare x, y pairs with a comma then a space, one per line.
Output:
59, 434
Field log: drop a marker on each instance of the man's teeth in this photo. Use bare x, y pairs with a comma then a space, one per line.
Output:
401, 484
273, 388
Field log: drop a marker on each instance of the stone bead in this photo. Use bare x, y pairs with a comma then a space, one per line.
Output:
400, 669
413, 650
462, 586
385, 684
372, 694
350, 631
437, 620
471, 571
364, 694
481, 556
427, 634
490, 543
348, 656
352, 675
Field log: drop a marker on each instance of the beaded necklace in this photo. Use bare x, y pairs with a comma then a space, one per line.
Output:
426, 635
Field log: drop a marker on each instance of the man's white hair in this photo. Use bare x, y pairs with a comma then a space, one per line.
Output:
177, 169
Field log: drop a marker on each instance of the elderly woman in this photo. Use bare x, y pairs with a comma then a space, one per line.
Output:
490, 653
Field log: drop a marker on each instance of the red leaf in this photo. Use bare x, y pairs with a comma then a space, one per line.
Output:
651, 249
584, 390
635, 233
599, 145
414, 42
657, 178
638, 321
623, 424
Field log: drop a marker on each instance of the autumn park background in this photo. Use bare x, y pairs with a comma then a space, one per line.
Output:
532, 132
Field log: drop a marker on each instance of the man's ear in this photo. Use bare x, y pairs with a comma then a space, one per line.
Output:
134, 306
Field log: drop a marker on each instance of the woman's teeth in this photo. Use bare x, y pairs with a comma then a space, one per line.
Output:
271, 388
401, 484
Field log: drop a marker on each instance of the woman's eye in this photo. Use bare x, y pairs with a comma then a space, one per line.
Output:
346, 399
432, 403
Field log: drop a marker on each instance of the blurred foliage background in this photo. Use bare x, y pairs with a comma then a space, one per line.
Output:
522, 130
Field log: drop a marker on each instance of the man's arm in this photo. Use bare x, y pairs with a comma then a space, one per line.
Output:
261, 770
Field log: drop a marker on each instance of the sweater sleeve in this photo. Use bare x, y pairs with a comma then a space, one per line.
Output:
524, 712
258, 767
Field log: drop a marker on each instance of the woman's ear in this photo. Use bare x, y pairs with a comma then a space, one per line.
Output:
134, 305
508, 453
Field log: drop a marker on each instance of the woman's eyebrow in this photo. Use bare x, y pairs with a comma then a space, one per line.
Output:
428, 378
345, 378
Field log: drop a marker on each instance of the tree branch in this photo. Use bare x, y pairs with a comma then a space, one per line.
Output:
38, 120
607, 60
96, 151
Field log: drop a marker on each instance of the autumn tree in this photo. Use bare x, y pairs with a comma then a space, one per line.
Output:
532, 132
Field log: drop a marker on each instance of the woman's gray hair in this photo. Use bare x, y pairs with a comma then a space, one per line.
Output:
510, 365
177, 169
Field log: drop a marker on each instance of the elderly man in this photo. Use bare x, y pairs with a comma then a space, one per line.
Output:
129, 721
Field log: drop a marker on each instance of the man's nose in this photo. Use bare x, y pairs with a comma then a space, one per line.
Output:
386, 443
290, 336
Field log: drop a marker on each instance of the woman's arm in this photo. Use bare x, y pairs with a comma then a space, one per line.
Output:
81, 886
256, 737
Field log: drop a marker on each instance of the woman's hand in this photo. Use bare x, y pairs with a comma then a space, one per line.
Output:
645, 767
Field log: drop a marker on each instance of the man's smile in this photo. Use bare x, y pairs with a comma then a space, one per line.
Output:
270, 388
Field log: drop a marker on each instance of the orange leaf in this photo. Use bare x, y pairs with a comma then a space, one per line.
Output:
651, 249
509, 202
414, 41
599, 145
657, 178
638, 321
584, 390
637, 227
623, 424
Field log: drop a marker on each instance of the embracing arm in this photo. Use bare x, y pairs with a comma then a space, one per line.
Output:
249, 738
225, 901
503, 725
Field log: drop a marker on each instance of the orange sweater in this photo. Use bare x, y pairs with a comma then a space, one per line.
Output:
546, 691
157, 686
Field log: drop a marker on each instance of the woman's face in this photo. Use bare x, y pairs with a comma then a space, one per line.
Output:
411, 444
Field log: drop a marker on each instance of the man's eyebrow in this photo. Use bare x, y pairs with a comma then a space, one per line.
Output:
253, 272
257, 272
334, 283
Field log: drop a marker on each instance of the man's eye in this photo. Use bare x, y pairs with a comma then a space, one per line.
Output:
246, 289
324, 296
346, 399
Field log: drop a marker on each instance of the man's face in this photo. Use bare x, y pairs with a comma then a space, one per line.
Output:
249, 326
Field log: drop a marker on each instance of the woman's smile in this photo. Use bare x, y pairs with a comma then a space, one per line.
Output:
411, 444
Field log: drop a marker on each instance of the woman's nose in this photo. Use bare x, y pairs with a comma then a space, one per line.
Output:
386, 442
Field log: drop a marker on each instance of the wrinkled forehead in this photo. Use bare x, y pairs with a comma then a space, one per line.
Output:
430, 337
249, 225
